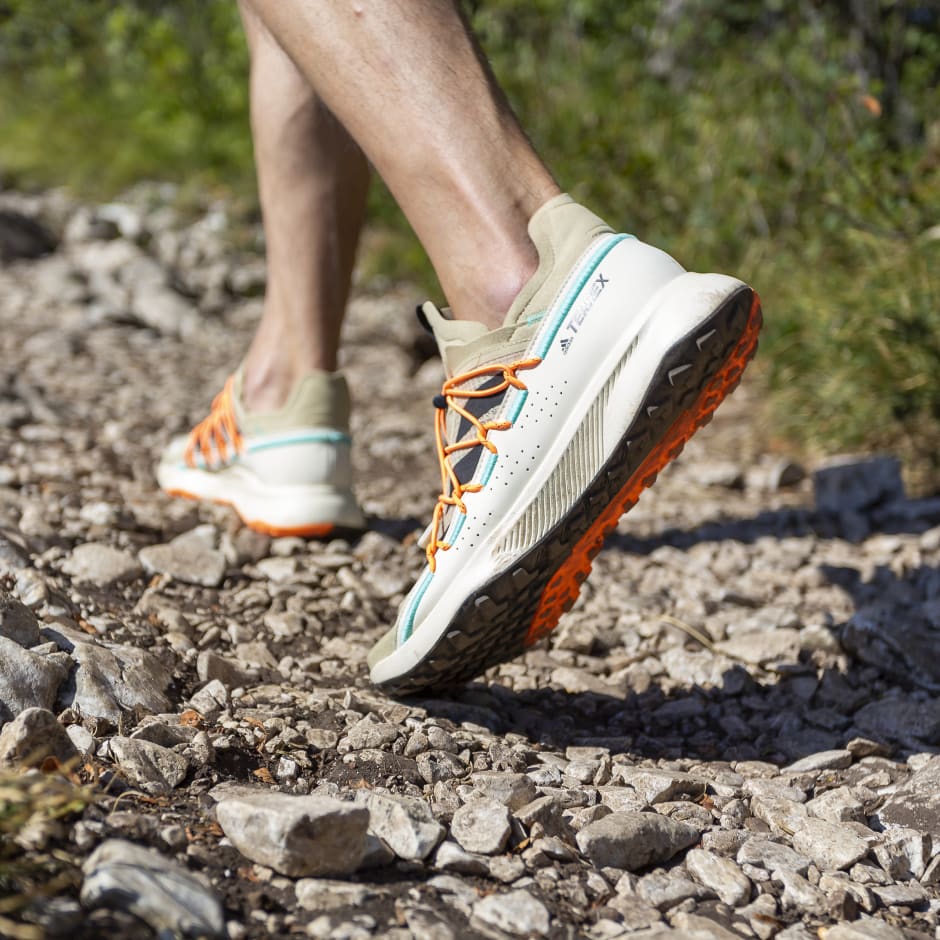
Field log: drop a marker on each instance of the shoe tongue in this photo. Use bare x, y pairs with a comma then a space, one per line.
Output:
561, 232
452, 336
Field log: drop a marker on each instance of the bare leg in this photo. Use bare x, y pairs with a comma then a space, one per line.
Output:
409, 84
312, 180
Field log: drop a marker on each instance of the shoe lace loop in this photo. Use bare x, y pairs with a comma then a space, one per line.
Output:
452, 490
216, 433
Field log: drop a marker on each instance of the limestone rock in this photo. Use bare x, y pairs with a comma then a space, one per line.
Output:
298, 836
916, 804
832, 846
100, 564
27, 680
481, 826
32, 736
154, 769
405, 825
634, 840
516, 912
719, 874
17, 622
160, 892
190, 557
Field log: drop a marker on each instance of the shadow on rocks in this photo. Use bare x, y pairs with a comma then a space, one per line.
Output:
902, 517
777, 719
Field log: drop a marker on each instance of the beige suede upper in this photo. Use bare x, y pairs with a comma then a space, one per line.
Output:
561, 231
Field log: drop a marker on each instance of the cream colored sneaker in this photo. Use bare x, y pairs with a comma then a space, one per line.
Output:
549, 428
285, 472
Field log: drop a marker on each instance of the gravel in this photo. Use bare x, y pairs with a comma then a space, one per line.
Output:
733, 733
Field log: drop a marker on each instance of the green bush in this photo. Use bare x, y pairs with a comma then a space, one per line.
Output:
795, 143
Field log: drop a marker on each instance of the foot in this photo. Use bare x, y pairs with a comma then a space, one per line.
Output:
548, 430
285, 472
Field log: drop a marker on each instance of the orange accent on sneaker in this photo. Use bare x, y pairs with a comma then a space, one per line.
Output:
316, 531
450, 391
213, 435
562, 590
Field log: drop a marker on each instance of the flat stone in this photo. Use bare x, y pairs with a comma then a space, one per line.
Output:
838, 805
368, 733
482, 826
634, 840
298, 836
115, 678
452, 857
799, 894
440, 765
211, 699
27, 680
696, 927
903, 853
516, 912
782, 814
190, 557
832, 846
210, 665
908, 894
164, 310
772, 856
760, 647
622, 799
916, 804
506, 868
719, 874
154, 769
128, 877
33, 736
96, 563
327, 894
406, 825
867, 928
824, 760
512, 790
660, 786
17, 622
665, 889
546, 811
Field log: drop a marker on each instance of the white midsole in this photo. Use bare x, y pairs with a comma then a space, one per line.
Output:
280, 506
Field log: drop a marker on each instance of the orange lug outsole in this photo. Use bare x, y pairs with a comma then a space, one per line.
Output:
562, 590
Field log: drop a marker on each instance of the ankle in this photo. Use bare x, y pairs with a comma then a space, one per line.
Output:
265, 389
488, 297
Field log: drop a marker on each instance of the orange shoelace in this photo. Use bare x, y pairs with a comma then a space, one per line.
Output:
452, 495
215, 434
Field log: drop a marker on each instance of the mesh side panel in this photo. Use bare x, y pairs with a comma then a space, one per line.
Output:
578, 466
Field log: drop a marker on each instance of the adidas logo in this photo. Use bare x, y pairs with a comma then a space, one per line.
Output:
565, 343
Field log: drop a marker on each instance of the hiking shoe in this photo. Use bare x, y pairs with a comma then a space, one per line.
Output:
549, 428
285, 472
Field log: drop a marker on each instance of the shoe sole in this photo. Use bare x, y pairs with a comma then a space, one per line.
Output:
523, 603
315, 530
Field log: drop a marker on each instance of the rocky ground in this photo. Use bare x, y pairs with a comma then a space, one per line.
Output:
733, 734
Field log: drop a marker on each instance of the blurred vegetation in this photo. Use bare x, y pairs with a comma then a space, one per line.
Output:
34, 810
795, 143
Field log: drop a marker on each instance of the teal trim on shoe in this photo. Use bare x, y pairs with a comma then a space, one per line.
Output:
326, 436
